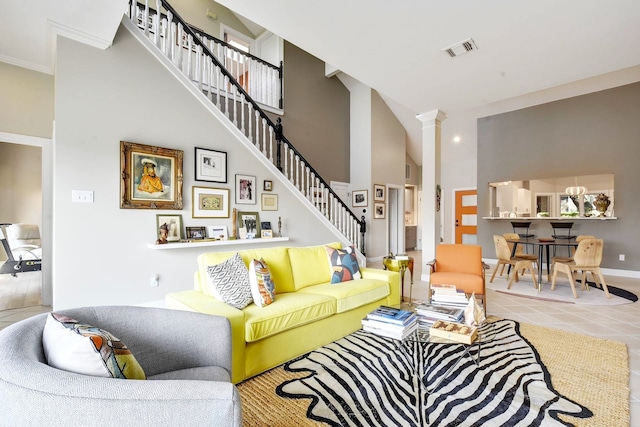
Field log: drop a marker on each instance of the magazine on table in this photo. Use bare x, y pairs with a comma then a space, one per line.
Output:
440, 311
392, 334
392, 315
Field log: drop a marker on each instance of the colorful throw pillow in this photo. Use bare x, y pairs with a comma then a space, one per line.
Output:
344, 264
75, 347
262, 287
229, 282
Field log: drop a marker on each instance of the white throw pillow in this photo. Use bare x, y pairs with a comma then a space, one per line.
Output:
262, 287
229, 282
75, 347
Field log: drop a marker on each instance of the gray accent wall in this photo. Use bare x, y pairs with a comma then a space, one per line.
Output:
595, 133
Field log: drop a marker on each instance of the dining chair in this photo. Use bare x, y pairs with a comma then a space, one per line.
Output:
587, 258
561, 231
519, 250
462, 266
503, 253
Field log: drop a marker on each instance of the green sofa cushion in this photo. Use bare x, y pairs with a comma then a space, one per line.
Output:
289, 310
351, 294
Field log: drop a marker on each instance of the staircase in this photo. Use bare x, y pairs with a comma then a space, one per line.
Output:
201, 58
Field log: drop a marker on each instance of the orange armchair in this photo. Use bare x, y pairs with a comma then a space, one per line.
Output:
460, 265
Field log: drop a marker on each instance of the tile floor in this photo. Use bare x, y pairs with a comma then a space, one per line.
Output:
611, 320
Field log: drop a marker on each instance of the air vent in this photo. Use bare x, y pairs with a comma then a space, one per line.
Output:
407, 171
461, 48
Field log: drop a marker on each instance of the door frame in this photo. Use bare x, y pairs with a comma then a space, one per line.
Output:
453, 209
399, 225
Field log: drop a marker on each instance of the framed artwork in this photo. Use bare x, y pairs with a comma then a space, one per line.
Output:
174, 226
210, 202
269, 202
266, 225
151, 177
211, 165
245, 189
266, 234
360, 198
218, 232
379, 210
248, 225
196, 233
378, 193
268, 185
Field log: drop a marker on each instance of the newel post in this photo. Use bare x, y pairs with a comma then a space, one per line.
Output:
363, 229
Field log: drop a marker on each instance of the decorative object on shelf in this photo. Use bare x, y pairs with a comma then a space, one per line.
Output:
250, 221
234, 218
210, 202
217, 232
245, 189
360, 198
151, 177
162, 233
602, 203
174, 226
196, 233
267, 185
378, 192
265, 225
438, 197
577, 190
269, 202
279, 226
211, 165
379, 210
266, 234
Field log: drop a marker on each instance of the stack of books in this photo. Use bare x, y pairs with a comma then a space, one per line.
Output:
391, 322
428, 314
448, 295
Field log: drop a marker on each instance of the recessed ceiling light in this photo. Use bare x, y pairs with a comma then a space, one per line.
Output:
456, 138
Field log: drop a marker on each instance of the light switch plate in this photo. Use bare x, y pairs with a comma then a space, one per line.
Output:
81, 196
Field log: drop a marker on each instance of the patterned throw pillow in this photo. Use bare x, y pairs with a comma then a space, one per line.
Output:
344, 264
75, 347
229, 282
262, 287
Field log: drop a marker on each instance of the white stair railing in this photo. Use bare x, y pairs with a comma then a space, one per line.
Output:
202, 60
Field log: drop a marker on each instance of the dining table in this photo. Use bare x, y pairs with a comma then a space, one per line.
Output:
544, 245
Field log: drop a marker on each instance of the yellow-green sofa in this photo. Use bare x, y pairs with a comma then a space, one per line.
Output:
308, 311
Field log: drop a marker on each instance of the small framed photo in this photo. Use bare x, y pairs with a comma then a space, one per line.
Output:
174, 226
269, 202
211, 165
360, 198
266, 234
268, 185
379, 210
218, 232
378, 192
210, 203
248, 224
245, 189
265, 225
196, 233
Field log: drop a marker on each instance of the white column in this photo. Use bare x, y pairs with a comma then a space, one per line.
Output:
431, 134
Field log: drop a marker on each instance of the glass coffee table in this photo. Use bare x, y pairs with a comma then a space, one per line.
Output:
486, 333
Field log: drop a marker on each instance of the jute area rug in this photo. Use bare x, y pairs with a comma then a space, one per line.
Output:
591, 375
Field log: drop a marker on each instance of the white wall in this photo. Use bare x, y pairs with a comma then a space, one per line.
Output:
100, 250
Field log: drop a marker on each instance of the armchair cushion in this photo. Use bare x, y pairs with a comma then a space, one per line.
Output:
85, 349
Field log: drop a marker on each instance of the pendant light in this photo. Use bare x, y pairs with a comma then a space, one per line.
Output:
577, 190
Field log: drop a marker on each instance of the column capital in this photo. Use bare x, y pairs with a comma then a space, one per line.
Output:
430, 116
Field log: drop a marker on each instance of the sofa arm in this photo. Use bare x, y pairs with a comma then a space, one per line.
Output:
72, 398
164, 340
392, 277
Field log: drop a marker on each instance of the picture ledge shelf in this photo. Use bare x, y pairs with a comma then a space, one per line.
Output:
184, 245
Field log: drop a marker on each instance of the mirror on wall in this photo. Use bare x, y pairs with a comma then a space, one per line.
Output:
566, 197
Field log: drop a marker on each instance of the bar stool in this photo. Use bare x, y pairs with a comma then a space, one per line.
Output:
562, 231
522, 225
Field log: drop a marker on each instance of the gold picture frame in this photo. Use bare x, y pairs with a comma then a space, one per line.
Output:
150, 177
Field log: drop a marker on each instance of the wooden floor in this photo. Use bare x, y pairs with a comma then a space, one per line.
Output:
24, 290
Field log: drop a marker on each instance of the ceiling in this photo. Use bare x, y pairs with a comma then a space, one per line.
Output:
395, 48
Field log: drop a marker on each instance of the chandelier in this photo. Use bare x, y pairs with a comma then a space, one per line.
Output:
577, 190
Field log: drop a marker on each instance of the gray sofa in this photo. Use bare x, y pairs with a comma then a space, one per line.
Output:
186, 357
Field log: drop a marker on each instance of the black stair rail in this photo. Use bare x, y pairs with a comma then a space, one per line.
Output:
280, 138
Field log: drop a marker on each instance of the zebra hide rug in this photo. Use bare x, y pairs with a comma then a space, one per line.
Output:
368, 380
